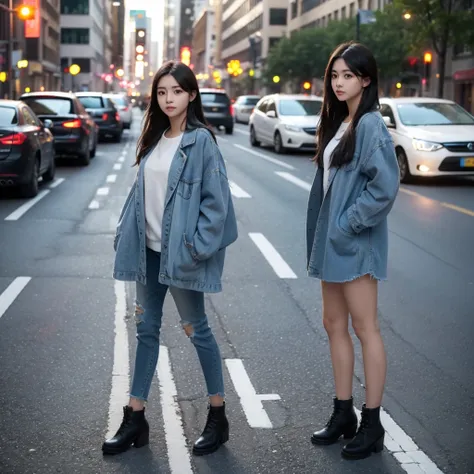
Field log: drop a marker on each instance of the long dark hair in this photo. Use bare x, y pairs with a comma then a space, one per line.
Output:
362, 63
156, 122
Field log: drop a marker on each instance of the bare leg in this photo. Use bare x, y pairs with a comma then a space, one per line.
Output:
361, 298
336, 320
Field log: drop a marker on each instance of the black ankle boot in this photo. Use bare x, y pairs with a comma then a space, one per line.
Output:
369, 437
216, 432
343, 421
133, 430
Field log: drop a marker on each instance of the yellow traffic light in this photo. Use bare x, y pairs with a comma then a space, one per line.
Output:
399, 85
251, 73
233, 68
74, 69
276, 79
428, 57
307, 85
22, 64
3, 76
26, 12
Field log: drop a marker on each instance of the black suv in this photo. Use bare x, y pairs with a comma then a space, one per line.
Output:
104, 112
75, 133
218, 110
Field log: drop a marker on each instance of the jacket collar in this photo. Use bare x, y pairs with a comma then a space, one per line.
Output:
189, 138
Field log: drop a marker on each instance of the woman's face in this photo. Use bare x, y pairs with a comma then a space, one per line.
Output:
172, 99
345, 84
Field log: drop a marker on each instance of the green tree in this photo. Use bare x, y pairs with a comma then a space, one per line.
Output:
441, 23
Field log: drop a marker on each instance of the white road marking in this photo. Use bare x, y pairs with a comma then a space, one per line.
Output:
256, 415
111, 178
237, 191
275, 260
99, 153
103, 191
117, 166
121, 159
265, 157
293, 179
12, 291
412, 460
15, 215
178, 454
244, 132
121, 368
56, 182
94, 204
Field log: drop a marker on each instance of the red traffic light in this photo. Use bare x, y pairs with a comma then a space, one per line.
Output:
66, 70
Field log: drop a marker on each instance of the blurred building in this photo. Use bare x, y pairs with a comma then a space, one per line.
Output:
38, 43
118, 31
87, 40
172, 13
203, 43
318, 13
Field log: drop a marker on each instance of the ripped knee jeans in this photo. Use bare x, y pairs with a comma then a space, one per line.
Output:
148, 315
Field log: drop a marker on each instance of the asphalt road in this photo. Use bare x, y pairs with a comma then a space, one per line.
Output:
67, 330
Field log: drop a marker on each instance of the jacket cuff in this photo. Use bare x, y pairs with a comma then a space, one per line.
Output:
356, 226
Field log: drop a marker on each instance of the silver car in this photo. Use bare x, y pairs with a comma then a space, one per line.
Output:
124, 108
243, 107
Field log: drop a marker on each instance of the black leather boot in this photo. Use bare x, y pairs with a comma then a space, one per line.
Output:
343, 422
216, 432
133, 430
369, 437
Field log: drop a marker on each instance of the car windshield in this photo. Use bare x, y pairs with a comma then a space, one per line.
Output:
8, 116
119, 100
91, 102
434, 113
207, 97
300, 107
49, 105
249, 100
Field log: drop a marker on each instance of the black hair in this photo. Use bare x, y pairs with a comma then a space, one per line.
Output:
361, 62
156, 122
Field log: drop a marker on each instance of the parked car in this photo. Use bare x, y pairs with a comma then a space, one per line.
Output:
74, 131
218, 110
102, 109
26, 148
243, 107
124, 108
286, 121
432, 137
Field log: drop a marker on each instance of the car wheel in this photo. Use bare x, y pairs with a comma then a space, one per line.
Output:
405, 175
49, 175
277, 144
229, 130
85, 158
253, 137
30, 189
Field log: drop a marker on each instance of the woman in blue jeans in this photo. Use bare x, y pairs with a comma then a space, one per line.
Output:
172, 234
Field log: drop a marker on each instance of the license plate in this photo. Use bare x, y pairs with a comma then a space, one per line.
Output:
215, 109
467, 162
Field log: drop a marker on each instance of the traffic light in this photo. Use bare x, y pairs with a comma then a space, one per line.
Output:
307, 86
140, 43
26, 12
427, 59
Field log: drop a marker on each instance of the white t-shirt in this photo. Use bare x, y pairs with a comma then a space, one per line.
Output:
331, 146
157, 169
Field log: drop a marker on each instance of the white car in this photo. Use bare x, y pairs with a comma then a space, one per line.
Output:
286, 122
243, 107
432, 137
124, 108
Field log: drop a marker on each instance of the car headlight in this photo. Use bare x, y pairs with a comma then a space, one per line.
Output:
292, 128
422, 145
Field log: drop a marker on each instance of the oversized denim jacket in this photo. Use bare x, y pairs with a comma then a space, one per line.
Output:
346, 230
198, 220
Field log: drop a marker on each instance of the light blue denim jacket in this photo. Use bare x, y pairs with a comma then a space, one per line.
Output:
346, 230
198, 221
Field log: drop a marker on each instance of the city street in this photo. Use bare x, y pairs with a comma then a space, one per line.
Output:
67, 330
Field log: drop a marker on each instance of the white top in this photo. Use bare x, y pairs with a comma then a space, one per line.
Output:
331, 146
157, 169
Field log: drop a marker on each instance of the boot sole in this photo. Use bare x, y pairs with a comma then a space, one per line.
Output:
377, 447
138, 443
203, 452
